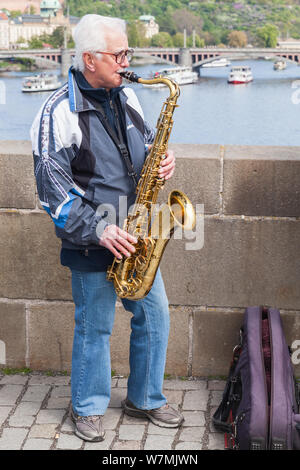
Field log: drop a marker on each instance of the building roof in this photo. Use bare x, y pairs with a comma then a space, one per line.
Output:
50, 4
147, 18
32, 19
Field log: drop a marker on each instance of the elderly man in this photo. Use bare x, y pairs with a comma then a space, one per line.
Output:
79, 168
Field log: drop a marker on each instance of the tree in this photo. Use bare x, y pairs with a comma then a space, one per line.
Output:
137, 34
199, 42
178, 40
237, 39
184, 19
56, 39
162, 39
35, 43
267, 35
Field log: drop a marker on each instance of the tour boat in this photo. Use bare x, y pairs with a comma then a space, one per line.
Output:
223, 62
279, 64
181, 75
240, 74
40, 82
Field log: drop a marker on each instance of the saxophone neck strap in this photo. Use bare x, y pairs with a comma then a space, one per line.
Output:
117, 138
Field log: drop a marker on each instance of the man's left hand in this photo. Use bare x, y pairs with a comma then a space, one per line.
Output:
167, 166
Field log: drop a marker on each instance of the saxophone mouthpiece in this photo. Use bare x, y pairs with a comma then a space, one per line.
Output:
131, 76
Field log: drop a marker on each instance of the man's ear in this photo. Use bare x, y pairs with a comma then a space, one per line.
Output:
88, 60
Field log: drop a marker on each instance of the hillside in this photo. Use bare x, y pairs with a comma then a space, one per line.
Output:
213, 20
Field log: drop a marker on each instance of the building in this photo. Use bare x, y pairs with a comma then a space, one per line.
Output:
17, 32
4, 31
151, 28
23, 28
49, 8
24, 6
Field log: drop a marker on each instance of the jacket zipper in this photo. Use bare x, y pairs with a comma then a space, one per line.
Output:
267, 437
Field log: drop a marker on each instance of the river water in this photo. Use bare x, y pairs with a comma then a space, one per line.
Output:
264, 112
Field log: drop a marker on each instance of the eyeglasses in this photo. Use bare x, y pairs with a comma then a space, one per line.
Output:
120, 57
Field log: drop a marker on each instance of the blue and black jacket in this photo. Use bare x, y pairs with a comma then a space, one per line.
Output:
79, 169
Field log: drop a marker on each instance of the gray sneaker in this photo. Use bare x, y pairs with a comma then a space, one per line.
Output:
165, 416
88, 428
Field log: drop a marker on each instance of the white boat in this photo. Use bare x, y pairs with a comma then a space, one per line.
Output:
279, 64
223, 62
181, 75
40, 82
240, 74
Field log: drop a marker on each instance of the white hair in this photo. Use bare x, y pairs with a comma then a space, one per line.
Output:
90, 35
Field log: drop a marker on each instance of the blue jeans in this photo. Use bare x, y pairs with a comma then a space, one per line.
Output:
95, 300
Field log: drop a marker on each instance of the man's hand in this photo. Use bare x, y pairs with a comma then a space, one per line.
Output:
167, 166
117, 241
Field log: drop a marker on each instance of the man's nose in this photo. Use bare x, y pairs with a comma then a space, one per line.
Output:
125, 62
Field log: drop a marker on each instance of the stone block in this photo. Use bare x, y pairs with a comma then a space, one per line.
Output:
17, 183
4, 412
192, 434
158, 442
197, 174
50, 333
12, 334
195, 400
37, 444
36, 393
50, 416
193, 418
65, 441
178, 345
46, 431
193, 445
243, 262
12, 438
215, 335
262, 181
216, 441
131, 432
29, 258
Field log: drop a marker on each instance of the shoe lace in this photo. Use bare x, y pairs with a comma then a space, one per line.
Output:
89, 418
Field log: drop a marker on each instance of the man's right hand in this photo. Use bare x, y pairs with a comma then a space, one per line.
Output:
117, 241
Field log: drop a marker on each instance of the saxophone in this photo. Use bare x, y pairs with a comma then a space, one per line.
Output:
133, 276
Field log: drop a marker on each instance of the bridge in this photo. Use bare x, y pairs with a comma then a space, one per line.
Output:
195, 57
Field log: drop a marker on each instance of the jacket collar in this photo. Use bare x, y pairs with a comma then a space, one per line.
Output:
76, 99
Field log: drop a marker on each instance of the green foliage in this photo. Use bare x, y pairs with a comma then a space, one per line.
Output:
56, 39
162, 39
212, 20
268, 35
11, 371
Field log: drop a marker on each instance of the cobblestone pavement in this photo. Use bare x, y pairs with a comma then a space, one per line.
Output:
34, 415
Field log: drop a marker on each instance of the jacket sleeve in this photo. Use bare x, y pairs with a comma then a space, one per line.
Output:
74, 219
149, 134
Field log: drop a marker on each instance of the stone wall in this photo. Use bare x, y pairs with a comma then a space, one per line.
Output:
250, 256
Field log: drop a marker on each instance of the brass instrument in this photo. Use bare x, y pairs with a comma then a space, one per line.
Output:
133, 276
